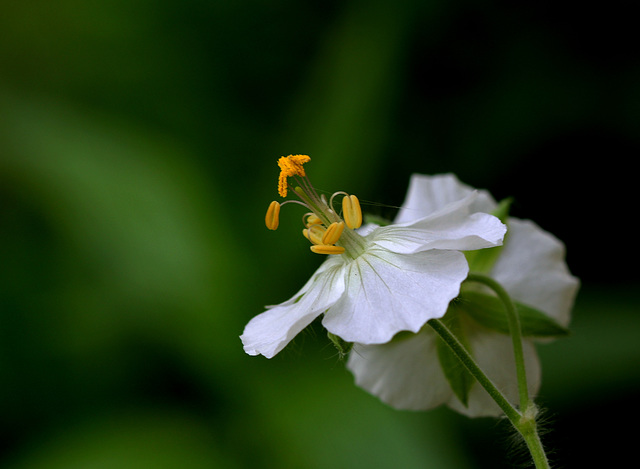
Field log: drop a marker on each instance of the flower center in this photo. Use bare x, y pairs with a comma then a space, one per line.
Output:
329, 231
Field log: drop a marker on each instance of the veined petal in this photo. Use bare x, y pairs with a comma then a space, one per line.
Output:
404, 373
271, 331
532, 269
494, 354
452, 227
428, 194
387, 293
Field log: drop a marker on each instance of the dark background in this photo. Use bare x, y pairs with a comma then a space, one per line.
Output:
138, 147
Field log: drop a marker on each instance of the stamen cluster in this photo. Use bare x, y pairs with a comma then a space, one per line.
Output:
324, 227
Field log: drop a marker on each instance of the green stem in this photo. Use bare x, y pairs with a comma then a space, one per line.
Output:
529, 432
525, 423
469, 363
515, 331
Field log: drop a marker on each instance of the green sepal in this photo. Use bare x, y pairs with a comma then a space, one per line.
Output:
482, 260
343, 347
376, 220
456, 374
502, 210
489, 311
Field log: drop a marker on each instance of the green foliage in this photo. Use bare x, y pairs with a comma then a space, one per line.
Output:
488, 310
457, 375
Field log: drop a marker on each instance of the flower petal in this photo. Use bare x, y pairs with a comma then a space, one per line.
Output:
494, 354
271, 331
404, 373
532, 269
452, 227
428, 194
387, 293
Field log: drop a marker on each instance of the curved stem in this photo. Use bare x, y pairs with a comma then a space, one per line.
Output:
515, 332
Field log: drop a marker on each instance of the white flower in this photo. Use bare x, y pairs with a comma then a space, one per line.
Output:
379, 280
405, 372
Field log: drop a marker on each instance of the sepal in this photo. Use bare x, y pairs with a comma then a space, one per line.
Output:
376, 220
342, 346
489, 311
456, 374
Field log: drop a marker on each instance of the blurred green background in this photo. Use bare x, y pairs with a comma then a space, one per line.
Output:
138, 147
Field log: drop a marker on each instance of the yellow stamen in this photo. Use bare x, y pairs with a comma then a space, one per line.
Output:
290, 166
333, 233
311, 219
272, 219
315, 233
351, 211
326, 249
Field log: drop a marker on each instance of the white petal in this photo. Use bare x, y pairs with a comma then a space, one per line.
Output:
428, 194
271, 331
494, 354
404, 373
532, 269
367, 229
452, 227
387, 293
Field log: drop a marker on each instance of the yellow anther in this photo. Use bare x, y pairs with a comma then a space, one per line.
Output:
315, 233
327, 249
333, 233
290, 166
272, 219
311, 219
351, 211
282, 185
